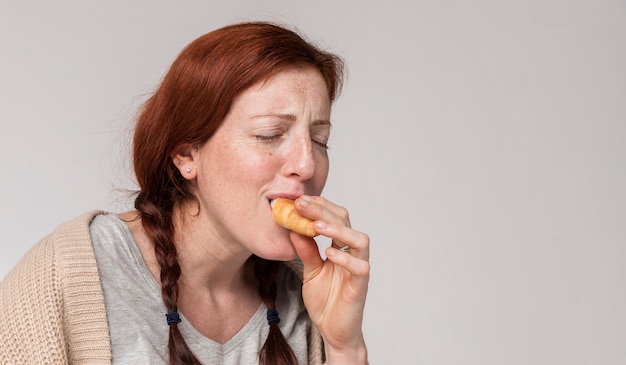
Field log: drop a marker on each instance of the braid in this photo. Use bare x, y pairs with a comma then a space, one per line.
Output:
156, 218
275, 350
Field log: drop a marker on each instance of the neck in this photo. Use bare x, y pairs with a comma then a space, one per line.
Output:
215, 273
208, 261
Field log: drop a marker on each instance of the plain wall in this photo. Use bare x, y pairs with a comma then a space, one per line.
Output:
481, 144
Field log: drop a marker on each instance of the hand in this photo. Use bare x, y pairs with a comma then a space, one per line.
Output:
335, 289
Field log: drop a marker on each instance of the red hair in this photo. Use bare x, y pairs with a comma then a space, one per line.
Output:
187, 108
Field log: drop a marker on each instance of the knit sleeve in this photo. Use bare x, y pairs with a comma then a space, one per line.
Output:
51, 304
86, 329
31, 330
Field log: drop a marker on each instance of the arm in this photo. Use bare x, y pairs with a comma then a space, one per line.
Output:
31, 330
51, 304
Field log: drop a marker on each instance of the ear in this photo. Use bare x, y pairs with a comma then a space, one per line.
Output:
185, 159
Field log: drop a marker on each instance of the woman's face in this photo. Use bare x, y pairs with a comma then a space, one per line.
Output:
271, 144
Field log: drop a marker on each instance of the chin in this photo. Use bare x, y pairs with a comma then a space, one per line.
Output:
278, 253
283, 256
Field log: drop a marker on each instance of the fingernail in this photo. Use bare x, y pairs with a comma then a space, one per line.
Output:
320, 224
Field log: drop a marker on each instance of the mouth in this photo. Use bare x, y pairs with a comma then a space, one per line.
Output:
272, 198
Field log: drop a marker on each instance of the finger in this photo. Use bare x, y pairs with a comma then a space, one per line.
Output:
359, 269
357, 243
356, 266
307, 250
318, 208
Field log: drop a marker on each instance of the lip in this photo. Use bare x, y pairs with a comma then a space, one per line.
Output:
272, 197
283, 195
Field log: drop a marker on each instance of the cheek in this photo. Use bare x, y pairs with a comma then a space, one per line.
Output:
254, 167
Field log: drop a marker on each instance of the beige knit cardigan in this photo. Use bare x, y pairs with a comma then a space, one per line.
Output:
52, 306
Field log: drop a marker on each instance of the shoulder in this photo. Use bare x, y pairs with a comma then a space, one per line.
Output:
68, 241
57, 289
69, 248
84, 310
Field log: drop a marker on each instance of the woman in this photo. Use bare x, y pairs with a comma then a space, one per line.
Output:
241, 118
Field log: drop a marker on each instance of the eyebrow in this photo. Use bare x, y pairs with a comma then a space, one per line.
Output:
292, 117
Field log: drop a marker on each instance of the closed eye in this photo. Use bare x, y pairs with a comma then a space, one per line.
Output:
264, 138
321, 144
320, 139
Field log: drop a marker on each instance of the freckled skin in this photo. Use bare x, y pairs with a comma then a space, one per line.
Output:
270, 143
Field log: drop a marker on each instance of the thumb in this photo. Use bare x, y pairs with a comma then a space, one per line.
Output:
307, 250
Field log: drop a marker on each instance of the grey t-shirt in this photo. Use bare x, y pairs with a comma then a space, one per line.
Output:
136, 313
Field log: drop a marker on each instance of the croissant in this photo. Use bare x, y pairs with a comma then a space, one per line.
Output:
286, 215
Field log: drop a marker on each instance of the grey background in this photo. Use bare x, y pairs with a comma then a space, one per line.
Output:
481, 144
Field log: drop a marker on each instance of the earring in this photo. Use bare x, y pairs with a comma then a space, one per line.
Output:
188, 169
178, 162
195, 149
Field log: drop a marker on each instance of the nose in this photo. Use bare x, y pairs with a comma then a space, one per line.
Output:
300, 161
